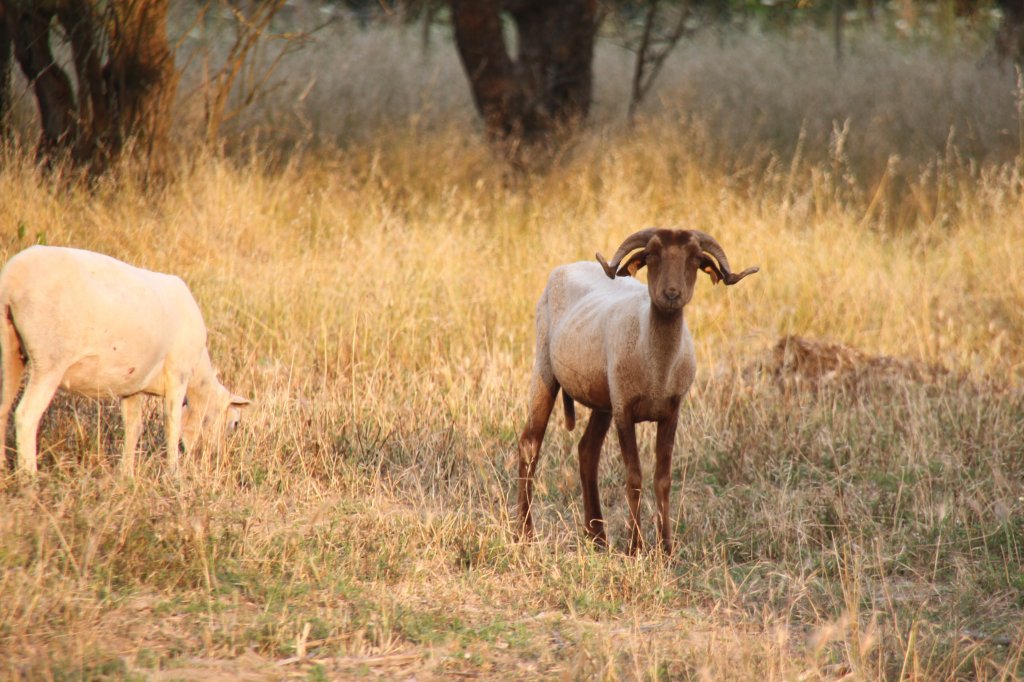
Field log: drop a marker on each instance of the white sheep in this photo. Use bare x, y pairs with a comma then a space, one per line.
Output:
99, 327
623, 350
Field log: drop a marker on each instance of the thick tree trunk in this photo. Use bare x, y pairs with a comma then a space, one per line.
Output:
141, 76
125, 76
548, 86
83, 28
1010, 36
556, 51
29, 25
497, 93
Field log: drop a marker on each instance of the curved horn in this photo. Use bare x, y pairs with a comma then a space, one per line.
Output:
633, 242
714, 249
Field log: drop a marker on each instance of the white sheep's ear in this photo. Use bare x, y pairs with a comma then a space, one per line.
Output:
239, 401
633, 265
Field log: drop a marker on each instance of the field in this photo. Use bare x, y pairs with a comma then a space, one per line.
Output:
368, 270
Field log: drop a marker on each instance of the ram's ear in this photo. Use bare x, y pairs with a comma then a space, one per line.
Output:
708, 265
633, 264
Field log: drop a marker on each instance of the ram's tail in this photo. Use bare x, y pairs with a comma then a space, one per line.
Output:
570, 411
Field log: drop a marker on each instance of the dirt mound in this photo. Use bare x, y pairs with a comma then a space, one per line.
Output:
797, 363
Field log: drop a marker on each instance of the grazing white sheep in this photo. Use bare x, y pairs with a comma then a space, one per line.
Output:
99, 327
623, 350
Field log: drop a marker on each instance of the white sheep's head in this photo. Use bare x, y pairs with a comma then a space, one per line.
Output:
672, 259
208, 415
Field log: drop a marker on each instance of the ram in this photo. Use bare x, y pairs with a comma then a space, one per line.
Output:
98, 327
623, 350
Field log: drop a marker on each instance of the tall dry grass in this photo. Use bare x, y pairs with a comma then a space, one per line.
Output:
371, 288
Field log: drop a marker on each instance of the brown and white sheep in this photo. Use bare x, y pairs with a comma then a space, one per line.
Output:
622, 349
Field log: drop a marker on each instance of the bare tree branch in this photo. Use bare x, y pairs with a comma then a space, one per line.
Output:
652, 53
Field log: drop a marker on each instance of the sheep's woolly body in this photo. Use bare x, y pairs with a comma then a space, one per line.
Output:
111, 329
96, 326
607, 348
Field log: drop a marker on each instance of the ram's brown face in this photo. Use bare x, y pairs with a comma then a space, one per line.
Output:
673, 256
672, 260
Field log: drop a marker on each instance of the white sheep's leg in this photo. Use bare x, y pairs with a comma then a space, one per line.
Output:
626, 430
13, 369
39, 392
590, 457
173, 400
542, 401
131, 415
663, 476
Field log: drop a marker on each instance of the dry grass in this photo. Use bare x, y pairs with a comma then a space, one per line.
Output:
376, 302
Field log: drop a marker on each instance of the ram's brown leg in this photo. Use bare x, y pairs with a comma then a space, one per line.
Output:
626, 431
663, 476
542, 400
590, 457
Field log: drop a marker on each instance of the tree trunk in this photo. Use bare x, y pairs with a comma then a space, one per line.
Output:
497, 93
548, 86
141, 76
1010, 36
29, 24
125, 76
83, 28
